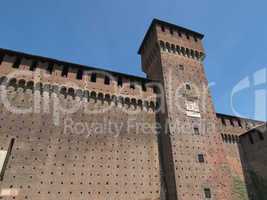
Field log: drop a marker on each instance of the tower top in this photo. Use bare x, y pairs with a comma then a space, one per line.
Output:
170, 26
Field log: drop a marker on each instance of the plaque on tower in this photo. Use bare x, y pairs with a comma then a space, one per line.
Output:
192, 108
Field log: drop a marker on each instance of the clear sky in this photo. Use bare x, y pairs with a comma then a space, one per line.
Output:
108, 33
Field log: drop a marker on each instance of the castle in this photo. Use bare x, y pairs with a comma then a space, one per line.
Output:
69, 131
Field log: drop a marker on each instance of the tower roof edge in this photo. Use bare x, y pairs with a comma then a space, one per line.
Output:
174, 26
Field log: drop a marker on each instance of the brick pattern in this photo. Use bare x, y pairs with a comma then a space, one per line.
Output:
48, 162
59, 155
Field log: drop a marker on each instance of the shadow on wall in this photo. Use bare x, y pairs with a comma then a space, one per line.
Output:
252, 150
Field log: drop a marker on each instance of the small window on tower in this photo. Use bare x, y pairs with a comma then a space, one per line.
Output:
162, 29
17, 62
65, 71
33, 65
79, 75
196, 131
144, 87
201, 158
207, 193
171, 31
50, 68
1, 58
223, 121
181, 67
119, 81
93, 77
132, 86
107, 80
188, 87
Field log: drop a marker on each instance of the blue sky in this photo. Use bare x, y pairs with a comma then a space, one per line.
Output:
108, 34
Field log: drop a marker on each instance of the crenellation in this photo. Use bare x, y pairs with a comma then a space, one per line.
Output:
143, 103
180, 37
87, 133
180, 50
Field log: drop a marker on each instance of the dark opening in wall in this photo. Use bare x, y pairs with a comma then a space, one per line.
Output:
232, 122
188, 87
181, 67
187, 36
196, 131
207, 193
132, 86
143, 87
171, 31
50, 68
195, 38
250, 138
79, 74
223, 121
17, 62
93, 77
119, 81
65, 71
1, 58
107, 80
33, 65
162, 28
201, 158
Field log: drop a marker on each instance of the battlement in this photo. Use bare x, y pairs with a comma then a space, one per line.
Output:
32, 71
163, 37
171, 29
238, 122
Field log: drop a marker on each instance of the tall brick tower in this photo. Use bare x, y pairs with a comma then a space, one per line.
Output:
192, 156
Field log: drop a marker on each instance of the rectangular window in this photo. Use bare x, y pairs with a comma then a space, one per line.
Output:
188, 87
65, 71
93, 77
132, 86
17, 63
144, 87
50, 68
79, 74
201, 158
196, 131
181, 67
1, 58
4, 157
33, 65
223, 122
119, 81
207, 193
232, 122
107, 80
